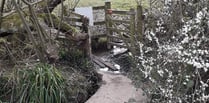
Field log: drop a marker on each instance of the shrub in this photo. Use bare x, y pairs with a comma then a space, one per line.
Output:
172, 59
42, 84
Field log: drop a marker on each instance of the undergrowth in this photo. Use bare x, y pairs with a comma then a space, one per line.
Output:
42, 84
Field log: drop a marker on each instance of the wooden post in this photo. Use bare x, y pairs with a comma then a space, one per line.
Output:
139, 23
108, 23
89, 50
132, 31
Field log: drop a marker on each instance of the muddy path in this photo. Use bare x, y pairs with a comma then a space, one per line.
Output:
117, 88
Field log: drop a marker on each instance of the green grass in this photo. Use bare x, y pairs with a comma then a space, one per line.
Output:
116, 4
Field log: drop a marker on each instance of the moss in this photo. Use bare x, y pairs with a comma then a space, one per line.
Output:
42, 4
64, 26
12, 21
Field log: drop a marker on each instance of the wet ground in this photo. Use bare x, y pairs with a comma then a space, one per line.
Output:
116, 88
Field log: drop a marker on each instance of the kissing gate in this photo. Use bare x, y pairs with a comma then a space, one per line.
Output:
122, 28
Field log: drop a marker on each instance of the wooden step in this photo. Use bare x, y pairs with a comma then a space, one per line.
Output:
103, 63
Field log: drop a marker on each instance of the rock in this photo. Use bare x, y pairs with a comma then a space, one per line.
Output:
52, 53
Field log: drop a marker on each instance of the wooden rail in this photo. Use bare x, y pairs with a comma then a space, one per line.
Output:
76, 14
99, 23
98, 7
73, 19
122, 12
77, 20
117, 30
120, 21
116, 37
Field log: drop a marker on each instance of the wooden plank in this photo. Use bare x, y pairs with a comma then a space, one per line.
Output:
98, 7
116, 37
98, 62
98, 35
107, 64
76, 14
99, 23
110, 66
73, 19
101, 65
122, 12
118, 30
116, 44
120, 21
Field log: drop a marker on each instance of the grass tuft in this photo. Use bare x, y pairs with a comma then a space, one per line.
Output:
42, 84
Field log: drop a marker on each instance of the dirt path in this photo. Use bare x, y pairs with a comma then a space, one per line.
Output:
116, 89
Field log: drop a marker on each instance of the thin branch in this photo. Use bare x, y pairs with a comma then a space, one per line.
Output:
62, 16
24, 7
32, 38
1, 11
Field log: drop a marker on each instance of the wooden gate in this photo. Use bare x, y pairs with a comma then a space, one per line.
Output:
123, 27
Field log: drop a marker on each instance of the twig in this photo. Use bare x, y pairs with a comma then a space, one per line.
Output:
32, 38
62, 16
1, 11
13, 11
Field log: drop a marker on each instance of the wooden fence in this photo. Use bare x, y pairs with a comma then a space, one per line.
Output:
81, 22
101, 22
78, 20
120, 32
127, 28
